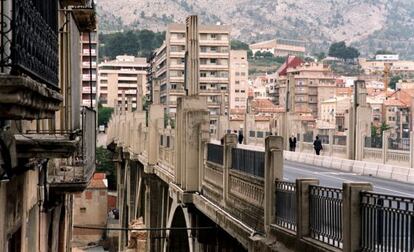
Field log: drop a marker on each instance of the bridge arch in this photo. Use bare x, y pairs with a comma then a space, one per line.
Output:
178, 240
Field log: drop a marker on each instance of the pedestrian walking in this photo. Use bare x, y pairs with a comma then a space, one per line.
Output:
317, 145
292, 143
241, 137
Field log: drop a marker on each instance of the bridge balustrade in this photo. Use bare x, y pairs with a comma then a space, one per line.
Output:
286, 205
215, 153
387, 222
248, 161
326, 215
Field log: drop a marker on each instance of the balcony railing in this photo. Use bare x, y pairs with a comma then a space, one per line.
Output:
76, 176
29, 39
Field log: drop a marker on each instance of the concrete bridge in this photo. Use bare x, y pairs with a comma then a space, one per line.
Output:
194, 194
200, 195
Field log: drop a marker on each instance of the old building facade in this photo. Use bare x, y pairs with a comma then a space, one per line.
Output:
47, 141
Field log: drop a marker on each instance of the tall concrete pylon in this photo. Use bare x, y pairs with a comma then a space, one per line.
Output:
192, 59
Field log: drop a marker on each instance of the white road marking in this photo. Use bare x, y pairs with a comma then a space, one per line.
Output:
344, 180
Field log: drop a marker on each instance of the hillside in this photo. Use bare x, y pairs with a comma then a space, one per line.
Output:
367, 24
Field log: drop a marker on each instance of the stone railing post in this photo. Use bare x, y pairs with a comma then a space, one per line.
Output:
385, 136
412, 149
156, 115
273, 171
351, 214
302, 206
230, 142
331, 142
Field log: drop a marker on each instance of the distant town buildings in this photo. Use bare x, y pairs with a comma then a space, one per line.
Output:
126, 74
239, 71
167, 68
308, 85
89, 55
280, 47
403, 68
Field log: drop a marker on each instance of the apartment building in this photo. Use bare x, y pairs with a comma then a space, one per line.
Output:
239, 71
308, 85
168, 67
89, 56
124, 75
280, 47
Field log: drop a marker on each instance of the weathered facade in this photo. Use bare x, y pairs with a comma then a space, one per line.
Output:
46, 140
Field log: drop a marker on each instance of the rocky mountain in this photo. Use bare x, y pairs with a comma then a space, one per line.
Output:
369, 25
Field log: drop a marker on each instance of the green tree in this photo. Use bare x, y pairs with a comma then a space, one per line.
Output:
104, 114
238, 45
267, 55
320, 56
249, 54
105, 165
394, 80
341, 51
137, 43
383, 52
384, 127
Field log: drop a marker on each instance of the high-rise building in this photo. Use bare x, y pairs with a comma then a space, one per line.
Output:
89, 54
125, 74
239, 71
168, 67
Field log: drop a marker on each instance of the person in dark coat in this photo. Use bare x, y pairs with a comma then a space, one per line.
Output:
241, 137
317, 145
292, 143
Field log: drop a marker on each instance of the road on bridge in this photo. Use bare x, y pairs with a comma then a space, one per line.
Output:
333, 178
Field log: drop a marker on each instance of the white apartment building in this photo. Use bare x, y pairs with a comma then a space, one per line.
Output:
168, 67
89, 55
239, 71
126, 74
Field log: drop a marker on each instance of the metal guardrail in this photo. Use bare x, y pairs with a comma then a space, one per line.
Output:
326, 215
387, 222
400, 144
248, 161
286, 205
215, 153
29, 38
373, 142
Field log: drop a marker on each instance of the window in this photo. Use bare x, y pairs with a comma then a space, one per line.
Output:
237, 82
88, 195
202, 87
203, 74
237, 73
213, 61
237, 91
243, 74
83, 209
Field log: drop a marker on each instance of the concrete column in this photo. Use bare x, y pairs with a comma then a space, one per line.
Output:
156, 115
351, 216
302, 206
412, 149
230, 142
192, 127
123, 103
331, 142
385, 137
273, 171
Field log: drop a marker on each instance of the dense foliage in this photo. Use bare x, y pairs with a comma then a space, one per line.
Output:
342, 51
138, 43
104, 114
105, 165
